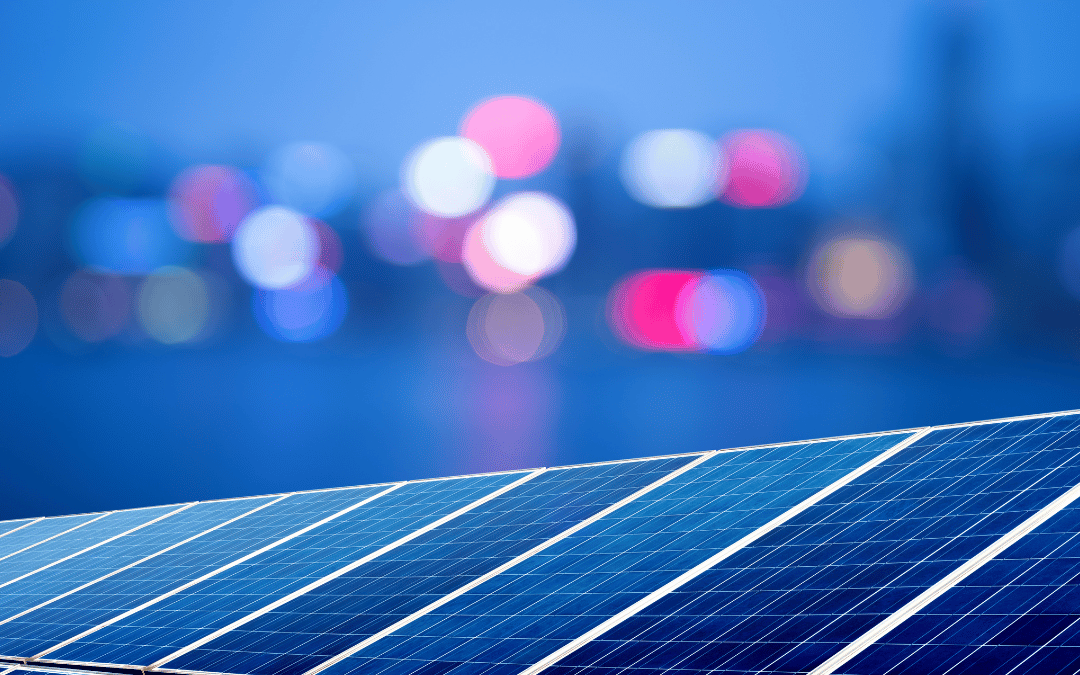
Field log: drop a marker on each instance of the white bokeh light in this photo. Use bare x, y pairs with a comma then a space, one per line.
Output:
672, 168
530, 233
275, 248
448, 177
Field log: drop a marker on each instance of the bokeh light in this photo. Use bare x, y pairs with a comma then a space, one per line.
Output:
18, 317
641, 309
114, 158
523, 237
448, 177
519, 134
9, 210
722, 312
313, 178
442, 238
208, 202
858, 277
276, 247
389, 224
506, 329
302, 314
481, 266
764, 169
173, 305
673, 168
126, 236
95, 307
331, 254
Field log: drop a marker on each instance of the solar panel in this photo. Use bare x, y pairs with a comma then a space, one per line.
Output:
569, 589
9, 526
252, 524
368, 599
815, 584
204, 608
1017, 614
94, 534
38, 532
50, 584
952, 549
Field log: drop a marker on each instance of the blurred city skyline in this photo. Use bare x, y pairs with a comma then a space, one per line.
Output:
939, 148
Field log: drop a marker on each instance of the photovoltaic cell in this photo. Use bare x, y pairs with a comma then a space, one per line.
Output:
45, 585
513, 620
114, 524
815, 584
1018, 614
38, 532
69, 616
316, 626
9, 525
186, 617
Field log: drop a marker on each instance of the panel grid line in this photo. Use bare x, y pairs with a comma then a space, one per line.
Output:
100, 543
952, 579
218, 570
346, 569
793, 623
27, 524
511, 563
139, 562
727, 552
38, 543
971, 528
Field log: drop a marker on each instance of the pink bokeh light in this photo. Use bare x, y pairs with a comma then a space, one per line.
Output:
641, 309
765, 169
520, 135
208, 202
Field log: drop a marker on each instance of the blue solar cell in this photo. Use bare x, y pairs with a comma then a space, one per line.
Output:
529, 611
43, 586
1020, 612
10, 525
91, 534
324, 622
38, 532
795, 597
67, 616
186, 617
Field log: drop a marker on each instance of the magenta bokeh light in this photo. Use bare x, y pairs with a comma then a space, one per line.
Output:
641, 310
721, 311
765, 169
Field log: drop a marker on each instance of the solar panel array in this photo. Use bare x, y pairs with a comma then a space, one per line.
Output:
939, 550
